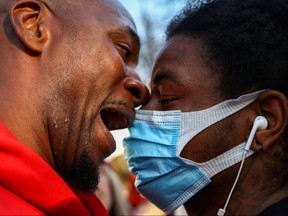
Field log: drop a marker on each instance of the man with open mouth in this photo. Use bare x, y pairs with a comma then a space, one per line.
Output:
67, 78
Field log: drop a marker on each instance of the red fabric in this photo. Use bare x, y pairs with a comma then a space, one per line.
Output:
29, 186
135, 197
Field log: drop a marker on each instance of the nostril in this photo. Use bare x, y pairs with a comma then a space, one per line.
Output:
138, 90
135, 92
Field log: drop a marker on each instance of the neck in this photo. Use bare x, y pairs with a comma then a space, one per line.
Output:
32, 135
241, 203
20, 114
251, 196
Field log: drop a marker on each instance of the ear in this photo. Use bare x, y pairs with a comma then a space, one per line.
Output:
274, 107
27, 18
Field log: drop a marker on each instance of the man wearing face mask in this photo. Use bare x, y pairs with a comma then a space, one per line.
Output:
214, 134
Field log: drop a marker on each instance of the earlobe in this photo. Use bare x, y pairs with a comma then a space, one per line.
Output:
27, 19
274, 106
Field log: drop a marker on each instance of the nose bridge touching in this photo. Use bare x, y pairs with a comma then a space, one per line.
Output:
137, 89
147, 106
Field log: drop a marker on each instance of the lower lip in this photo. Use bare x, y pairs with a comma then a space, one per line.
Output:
112, 143
109, 143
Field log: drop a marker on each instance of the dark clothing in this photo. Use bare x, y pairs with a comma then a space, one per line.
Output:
278, 209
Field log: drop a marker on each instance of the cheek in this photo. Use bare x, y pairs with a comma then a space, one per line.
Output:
201, 148
91, 75
109, 68
210, 142
99, 62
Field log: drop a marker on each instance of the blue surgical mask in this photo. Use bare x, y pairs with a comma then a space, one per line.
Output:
153, 152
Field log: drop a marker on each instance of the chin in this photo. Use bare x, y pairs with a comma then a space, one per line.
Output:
84, 174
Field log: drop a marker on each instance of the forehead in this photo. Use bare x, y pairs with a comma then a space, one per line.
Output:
183, 57
108, 12
98, 18
180, 74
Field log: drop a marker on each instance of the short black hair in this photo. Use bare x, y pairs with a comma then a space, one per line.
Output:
246, 41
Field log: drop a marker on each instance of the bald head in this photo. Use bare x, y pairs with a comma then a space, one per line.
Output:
57, 7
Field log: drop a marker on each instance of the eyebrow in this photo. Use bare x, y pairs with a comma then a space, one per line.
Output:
123, 31
134, 35
166, 75
129, 32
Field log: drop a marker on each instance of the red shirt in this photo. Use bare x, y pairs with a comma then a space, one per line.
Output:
29, 186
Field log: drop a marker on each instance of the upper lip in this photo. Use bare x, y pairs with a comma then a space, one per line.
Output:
117, 117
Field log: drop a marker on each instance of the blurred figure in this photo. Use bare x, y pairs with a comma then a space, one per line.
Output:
111, 192
140, 205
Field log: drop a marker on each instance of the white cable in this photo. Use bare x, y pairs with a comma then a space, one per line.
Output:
221, 211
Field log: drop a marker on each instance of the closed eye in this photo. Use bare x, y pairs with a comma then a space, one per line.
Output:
124, 51
166, 100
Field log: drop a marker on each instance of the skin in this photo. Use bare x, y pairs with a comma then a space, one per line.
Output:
181, 80
71, 69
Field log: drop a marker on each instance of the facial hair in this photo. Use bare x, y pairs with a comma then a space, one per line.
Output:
84, 175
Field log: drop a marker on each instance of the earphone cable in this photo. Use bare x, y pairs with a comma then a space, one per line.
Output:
221, 211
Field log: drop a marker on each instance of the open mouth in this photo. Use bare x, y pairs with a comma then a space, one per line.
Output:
115, 119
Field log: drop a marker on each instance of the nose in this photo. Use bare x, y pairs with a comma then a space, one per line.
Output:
137, 89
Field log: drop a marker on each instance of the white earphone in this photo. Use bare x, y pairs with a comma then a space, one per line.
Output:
260, 123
